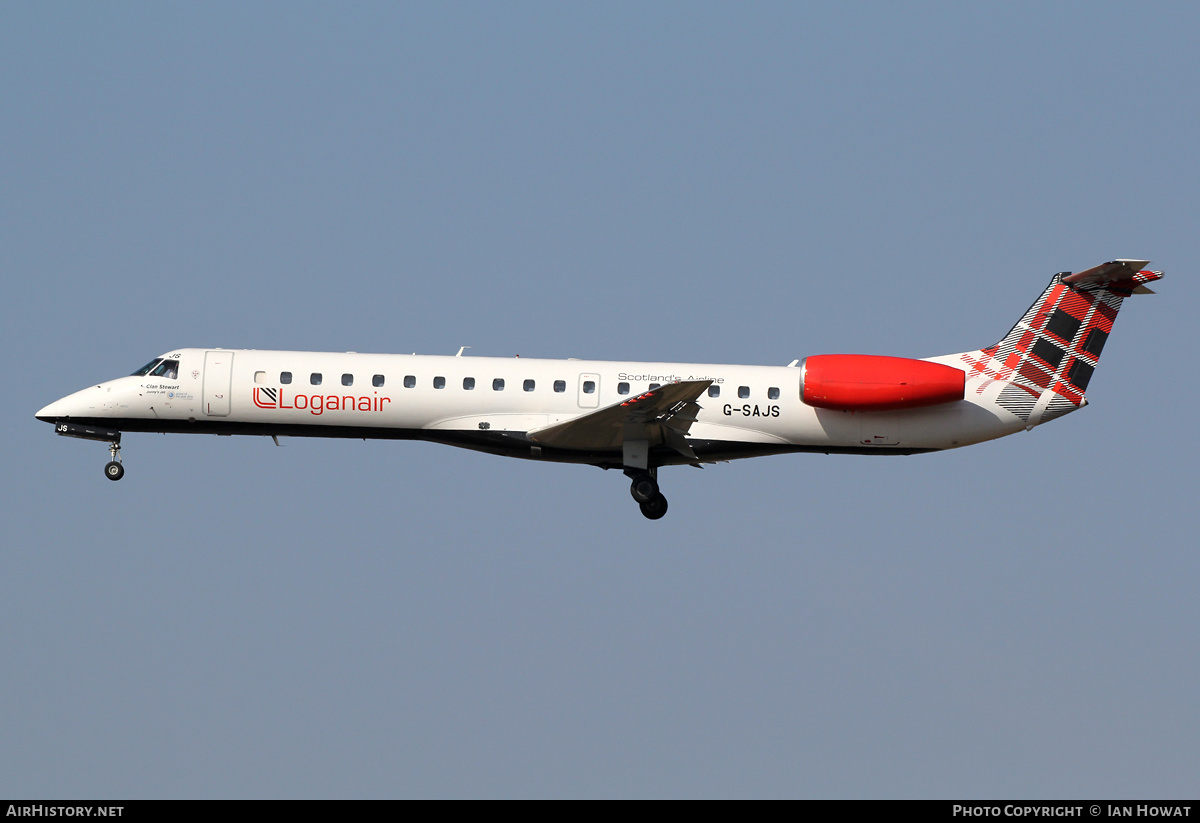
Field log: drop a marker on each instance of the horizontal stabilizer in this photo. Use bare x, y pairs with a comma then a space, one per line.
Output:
1127, 276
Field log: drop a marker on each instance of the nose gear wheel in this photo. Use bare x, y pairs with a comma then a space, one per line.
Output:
113, 469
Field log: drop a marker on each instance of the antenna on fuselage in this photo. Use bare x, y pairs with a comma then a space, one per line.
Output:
461, 350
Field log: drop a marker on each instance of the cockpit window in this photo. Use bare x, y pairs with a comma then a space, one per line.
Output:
160, 367
144, 370
168, 369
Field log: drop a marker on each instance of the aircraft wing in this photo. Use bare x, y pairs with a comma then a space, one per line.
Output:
662, 415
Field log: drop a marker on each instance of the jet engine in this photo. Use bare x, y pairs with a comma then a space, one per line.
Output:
866, 382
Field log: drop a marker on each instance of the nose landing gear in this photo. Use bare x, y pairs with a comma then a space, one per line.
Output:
644, 489
113, 469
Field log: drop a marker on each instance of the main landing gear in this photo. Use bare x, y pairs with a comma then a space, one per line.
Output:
644, 488
113, 469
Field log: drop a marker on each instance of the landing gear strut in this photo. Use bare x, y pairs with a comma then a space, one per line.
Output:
113, 469
644, 489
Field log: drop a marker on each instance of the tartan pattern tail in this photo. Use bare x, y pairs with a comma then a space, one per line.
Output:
1047, 360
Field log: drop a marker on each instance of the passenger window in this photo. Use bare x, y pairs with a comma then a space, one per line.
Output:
377, 381
654, 386
285, 377
469, 383
622, 388
498, 384
714, 391
410, 381
260, 377
743, 392
773, 393
589, 386
529, 385
560, 386
439, 382
347, 380
315, 378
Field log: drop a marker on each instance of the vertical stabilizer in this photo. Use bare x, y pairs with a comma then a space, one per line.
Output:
1047, 360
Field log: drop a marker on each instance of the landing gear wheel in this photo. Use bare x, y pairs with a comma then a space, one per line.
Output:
114, 470
643, 488
655, 507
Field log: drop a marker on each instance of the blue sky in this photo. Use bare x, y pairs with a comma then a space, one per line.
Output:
671, 182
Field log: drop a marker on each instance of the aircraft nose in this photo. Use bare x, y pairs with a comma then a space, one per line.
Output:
50, 413
78, 404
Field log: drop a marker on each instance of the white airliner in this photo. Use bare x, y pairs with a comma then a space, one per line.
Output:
636, 417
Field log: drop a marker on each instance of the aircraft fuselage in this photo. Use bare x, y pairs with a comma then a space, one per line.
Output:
633, 416
490, 404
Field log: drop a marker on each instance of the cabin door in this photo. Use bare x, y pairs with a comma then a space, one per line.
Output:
218, 376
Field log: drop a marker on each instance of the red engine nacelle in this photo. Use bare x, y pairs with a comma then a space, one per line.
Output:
866, 382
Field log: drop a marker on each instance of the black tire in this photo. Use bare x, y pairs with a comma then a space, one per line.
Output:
643, 488
114, 470
655, 507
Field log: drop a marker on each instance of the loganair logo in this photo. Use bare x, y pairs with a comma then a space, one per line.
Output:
266, 398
